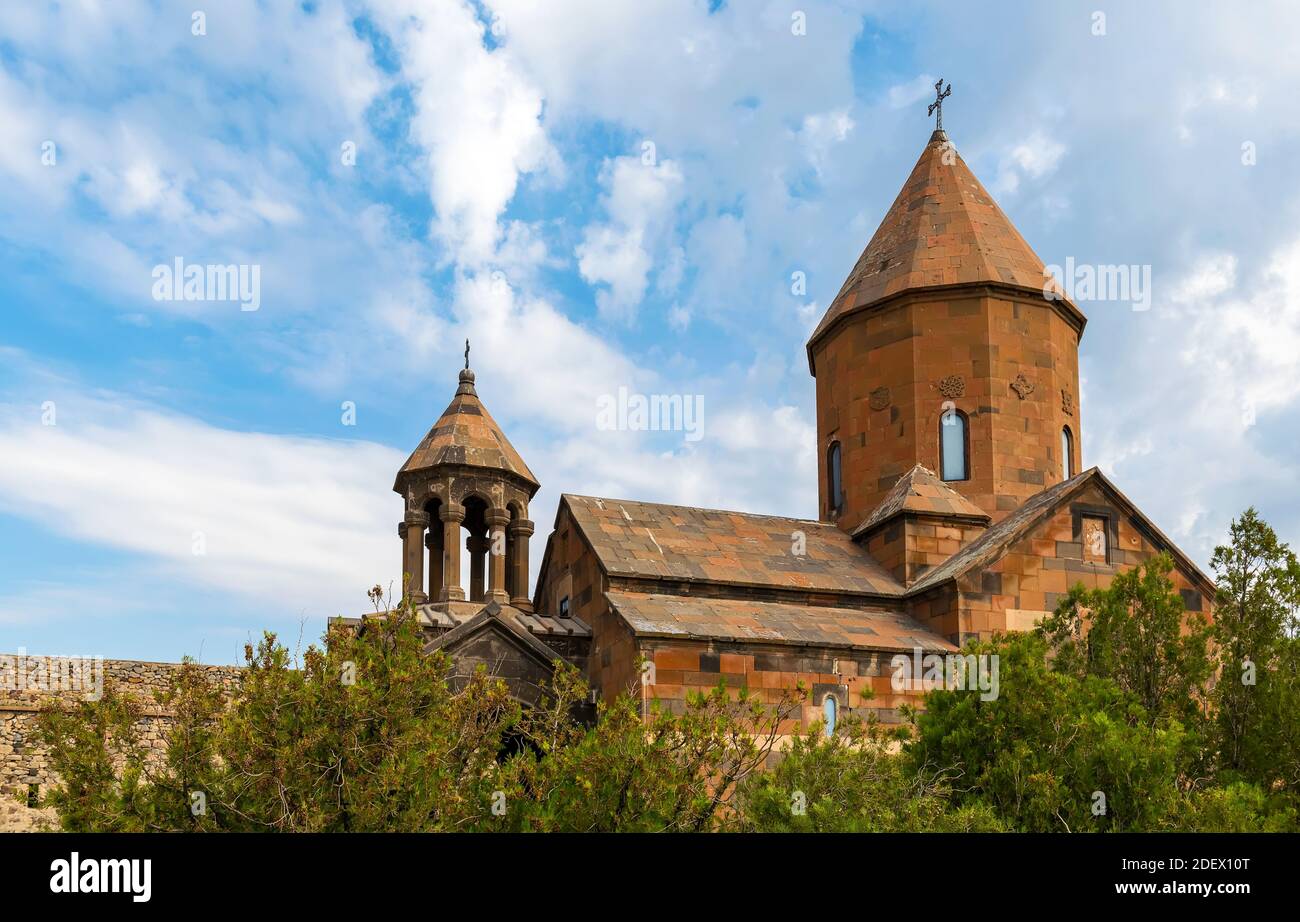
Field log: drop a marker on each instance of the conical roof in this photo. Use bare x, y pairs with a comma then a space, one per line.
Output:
466, 434
943, 229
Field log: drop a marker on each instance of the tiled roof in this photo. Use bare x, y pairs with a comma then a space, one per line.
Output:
920, 491
651, 540
467, 434
943, 229
990, 545
993, 541
454, 614
687, 617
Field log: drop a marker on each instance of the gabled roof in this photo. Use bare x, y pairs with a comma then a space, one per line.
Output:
943, 229
695, 618
657, 541
498, 618
466, 434
454, 614
994, 542
920, 492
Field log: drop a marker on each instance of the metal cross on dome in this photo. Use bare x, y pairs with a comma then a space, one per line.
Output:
467, 354
937, 105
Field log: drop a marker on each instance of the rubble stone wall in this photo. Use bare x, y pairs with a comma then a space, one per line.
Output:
28, 683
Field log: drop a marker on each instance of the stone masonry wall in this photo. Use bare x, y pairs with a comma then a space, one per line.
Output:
859, 680
24, 766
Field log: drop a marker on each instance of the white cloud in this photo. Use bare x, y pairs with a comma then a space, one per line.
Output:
227, 188
1209, 277
902, 95
1196, 436
1251, 343
280, 519
1241, 94
476, 115
820, 132
640, 199
1036, 156
718, 247
546, 369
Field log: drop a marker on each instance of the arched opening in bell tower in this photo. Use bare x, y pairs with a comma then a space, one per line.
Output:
475, 549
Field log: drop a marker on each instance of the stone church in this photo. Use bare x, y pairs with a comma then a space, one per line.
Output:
952, 499
952, 505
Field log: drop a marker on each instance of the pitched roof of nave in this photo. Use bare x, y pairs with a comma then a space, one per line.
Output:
943, 229
653, 542
920, 492
467, 434
695, 618
658, 541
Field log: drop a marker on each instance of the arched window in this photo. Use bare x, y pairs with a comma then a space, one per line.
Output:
829, 707
1067, 454
954, 444
834, 483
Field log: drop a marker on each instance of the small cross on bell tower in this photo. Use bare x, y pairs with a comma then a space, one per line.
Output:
937, 106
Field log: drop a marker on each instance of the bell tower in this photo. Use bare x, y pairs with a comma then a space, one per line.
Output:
950, 347
465, 476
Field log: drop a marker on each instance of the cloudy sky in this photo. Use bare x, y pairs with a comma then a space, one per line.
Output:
598, 195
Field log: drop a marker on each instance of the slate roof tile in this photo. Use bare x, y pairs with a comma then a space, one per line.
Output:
729, 548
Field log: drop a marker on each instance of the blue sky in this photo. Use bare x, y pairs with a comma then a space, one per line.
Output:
597, 195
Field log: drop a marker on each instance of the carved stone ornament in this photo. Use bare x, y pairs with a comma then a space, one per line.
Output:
953, 386
879, 398
1022, 386
1067, 402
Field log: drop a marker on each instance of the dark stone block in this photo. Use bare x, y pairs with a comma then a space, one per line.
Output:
839, 692
1069, 549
